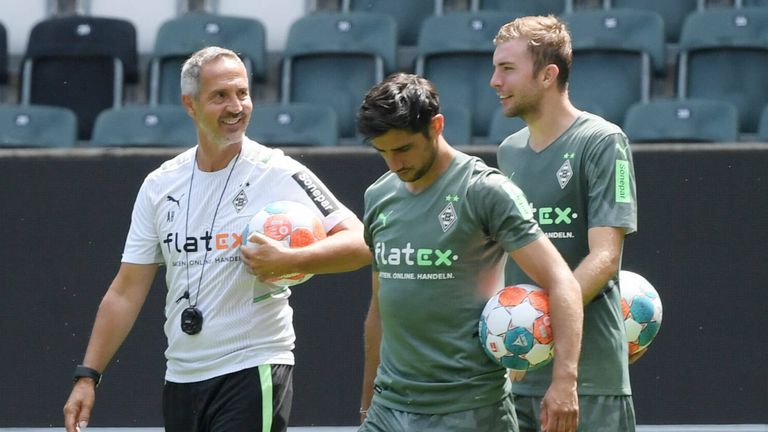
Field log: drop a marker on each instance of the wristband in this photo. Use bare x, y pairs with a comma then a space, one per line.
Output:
86, 372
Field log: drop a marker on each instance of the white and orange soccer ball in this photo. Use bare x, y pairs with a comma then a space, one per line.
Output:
291, 223
515, 330
641, 309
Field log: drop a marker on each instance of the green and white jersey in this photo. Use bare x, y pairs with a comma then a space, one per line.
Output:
440, 255
584, 179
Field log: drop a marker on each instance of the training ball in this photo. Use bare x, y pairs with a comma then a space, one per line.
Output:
641, 309
514, 328
293, 224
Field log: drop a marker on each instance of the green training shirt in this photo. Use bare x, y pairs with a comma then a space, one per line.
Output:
440, 255
584, 179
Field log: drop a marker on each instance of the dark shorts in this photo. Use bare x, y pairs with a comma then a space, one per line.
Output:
255, 399
596, 413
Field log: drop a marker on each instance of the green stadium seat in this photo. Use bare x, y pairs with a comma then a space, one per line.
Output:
724, 55
503, 126
615, 54
37, 126
458, 124
672, 11
294, 124
526, 7
674, 120
409, 14
144, 126
455, 52
334, 58
179, 37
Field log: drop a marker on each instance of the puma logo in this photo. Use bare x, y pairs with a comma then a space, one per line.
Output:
383, 218
172, 199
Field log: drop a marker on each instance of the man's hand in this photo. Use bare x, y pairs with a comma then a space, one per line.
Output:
560, 408
265, 257
77, 410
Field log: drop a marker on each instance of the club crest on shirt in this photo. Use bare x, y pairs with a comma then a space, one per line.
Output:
564, 174
448, 216
241, 199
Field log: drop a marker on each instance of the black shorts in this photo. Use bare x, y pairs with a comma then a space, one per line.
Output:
255, 399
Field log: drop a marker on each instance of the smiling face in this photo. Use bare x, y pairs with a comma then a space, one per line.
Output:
518, 87
222, 106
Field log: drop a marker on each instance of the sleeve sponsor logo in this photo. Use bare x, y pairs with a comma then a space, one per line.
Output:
517, 197
316, 192
623, 194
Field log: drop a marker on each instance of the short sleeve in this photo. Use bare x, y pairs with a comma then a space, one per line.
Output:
142, 245
504, 210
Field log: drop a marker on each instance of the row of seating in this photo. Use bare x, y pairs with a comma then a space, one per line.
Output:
162, 125
616, 51
298, 124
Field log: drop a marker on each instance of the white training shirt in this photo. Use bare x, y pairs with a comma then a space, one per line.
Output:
237, 333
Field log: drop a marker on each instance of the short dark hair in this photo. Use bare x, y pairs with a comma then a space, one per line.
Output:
401, 101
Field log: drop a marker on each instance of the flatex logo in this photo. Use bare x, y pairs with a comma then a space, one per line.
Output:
411, 256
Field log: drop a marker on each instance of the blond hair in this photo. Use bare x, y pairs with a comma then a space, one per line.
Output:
548, 42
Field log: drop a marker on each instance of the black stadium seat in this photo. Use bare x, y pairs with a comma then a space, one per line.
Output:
79, 62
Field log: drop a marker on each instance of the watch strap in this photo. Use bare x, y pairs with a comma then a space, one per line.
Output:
86, 372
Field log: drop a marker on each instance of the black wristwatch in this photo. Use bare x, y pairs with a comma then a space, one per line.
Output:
86, 372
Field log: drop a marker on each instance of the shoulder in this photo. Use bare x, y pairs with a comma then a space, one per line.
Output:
597, 129
385, 183
267, 158
483, 177
517, 140
179, 165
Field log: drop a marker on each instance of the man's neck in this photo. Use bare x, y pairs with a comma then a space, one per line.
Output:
554, 117
445, 155
212, 158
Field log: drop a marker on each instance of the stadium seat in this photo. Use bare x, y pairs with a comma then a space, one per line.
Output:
753, 3
672, 11
690, 120
615, 54
146, 15
37, 126
724, 55
503, 126
762, 128
334, 58
409, 14
146, 126
458, 124
525, 7
455, 52
81, 63
182, 36
296, 124
277, 20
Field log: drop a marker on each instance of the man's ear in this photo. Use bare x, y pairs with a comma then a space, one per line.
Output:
186, 102
549, 75
437, 124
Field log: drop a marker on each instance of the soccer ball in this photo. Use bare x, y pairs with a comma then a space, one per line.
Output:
291, 223
641, 309
515, 330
